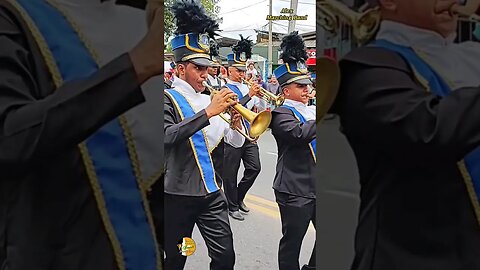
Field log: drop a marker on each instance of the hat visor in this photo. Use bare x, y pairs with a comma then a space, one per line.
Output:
304, 81
301, 81
241, 68
204, 62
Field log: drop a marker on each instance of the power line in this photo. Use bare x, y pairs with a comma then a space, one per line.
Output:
283, 26
313, 4
305, 25
238, 30
238, 9
286, 27
228, 30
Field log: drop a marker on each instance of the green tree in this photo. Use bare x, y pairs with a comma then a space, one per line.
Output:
170, 23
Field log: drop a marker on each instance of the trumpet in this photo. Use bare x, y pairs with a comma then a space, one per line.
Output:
364, 24
269, 97
259, 122
467, 12
328, 83
472, 18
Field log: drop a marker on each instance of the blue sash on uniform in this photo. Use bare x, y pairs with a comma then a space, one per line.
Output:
239, 93
236, 90
120, 199
313, 143
438, 86
198, 142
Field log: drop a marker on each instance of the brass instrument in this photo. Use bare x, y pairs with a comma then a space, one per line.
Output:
269, 97
364, 24
472, 18
328, 82
259, 122
467, 12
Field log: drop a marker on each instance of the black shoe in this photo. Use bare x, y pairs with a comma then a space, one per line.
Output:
306, 267
243, 207
236, 215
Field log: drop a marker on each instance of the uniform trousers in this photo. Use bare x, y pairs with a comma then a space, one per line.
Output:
251, 161
296, 213
210, 215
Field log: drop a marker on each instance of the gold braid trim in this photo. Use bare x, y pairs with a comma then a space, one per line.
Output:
41, 43
75, 27
136, 168
467, 178
148, 183
145, 184
309, 144
102, 207
470, 188
130, 146
219, 141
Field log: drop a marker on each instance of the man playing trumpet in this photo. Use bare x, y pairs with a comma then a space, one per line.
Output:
248, 152
408, 104
294, 128
194, 135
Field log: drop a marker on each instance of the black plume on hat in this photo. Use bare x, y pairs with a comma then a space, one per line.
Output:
214, 48
243, 45
293, 48
191, 17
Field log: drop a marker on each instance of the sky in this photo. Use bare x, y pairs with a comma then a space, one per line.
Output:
242, 16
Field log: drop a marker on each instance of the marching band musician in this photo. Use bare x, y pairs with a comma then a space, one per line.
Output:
194, 150
294, 128
248, 152
213, 79
408, 104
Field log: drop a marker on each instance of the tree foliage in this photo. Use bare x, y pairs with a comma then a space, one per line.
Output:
170, 23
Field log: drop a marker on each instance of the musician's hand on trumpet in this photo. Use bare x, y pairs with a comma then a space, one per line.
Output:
255, 90
235, 119
259, 122
221, 102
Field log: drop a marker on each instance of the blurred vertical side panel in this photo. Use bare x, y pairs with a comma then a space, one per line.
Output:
152, 147
338, 182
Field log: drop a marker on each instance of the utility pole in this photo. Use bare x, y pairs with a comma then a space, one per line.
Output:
291, 24
270, 42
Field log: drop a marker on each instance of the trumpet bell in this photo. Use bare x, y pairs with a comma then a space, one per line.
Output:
259, 122
367, 25
327, 84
